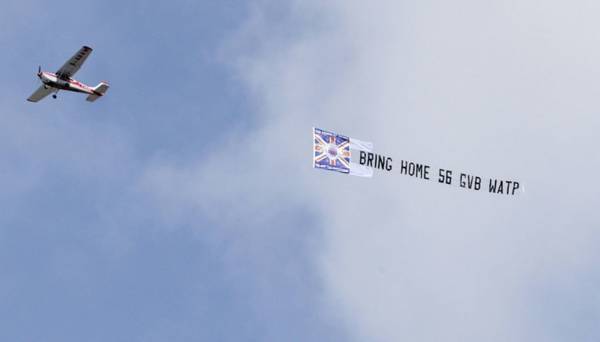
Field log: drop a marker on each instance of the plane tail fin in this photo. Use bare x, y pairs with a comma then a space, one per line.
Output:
99, 90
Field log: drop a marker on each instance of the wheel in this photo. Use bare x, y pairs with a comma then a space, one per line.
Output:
54, 96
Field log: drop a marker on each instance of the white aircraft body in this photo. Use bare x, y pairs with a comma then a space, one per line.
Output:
61, 80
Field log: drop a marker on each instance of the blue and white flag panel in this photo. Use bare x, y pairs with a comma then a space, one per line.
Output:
357, 169
333, 152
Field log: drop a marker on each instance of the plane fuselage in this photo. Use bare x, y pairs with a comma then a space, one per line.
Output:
52, 80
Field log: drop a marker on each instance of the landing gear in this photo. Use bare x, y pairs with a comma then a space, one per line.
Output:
53, 96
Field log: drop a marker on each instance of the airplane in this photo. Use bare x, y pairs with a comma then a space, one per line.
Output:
61, 80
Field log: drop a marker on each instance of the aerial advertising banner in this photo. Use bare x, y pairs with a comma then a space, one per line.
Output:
339, 153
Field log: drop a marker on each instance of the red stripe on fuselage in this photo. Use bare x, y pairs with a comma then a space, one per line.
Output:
85, 88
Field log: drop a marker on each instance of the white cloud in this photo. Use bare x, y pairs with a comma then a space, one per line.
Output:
498, 89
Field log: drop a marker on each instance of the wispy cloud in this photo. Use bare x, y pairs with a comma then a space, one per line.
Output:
492, 88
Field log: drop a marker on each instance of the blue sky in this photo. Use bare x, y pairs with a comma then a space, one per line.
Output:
84, 254
182, 206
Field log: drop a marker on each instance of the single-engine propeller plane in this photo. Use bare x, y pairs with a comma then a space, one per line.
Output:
61, 80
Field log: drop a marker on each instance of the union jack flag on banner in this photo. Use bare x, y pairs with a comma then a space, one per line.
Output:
331, 151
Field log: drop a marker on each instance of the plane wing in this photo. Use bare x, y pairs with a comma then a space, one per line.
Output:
73, 64
40, 93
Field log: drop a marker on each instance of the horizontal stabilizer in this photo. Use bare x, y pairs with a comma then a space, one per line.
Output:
99, 90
